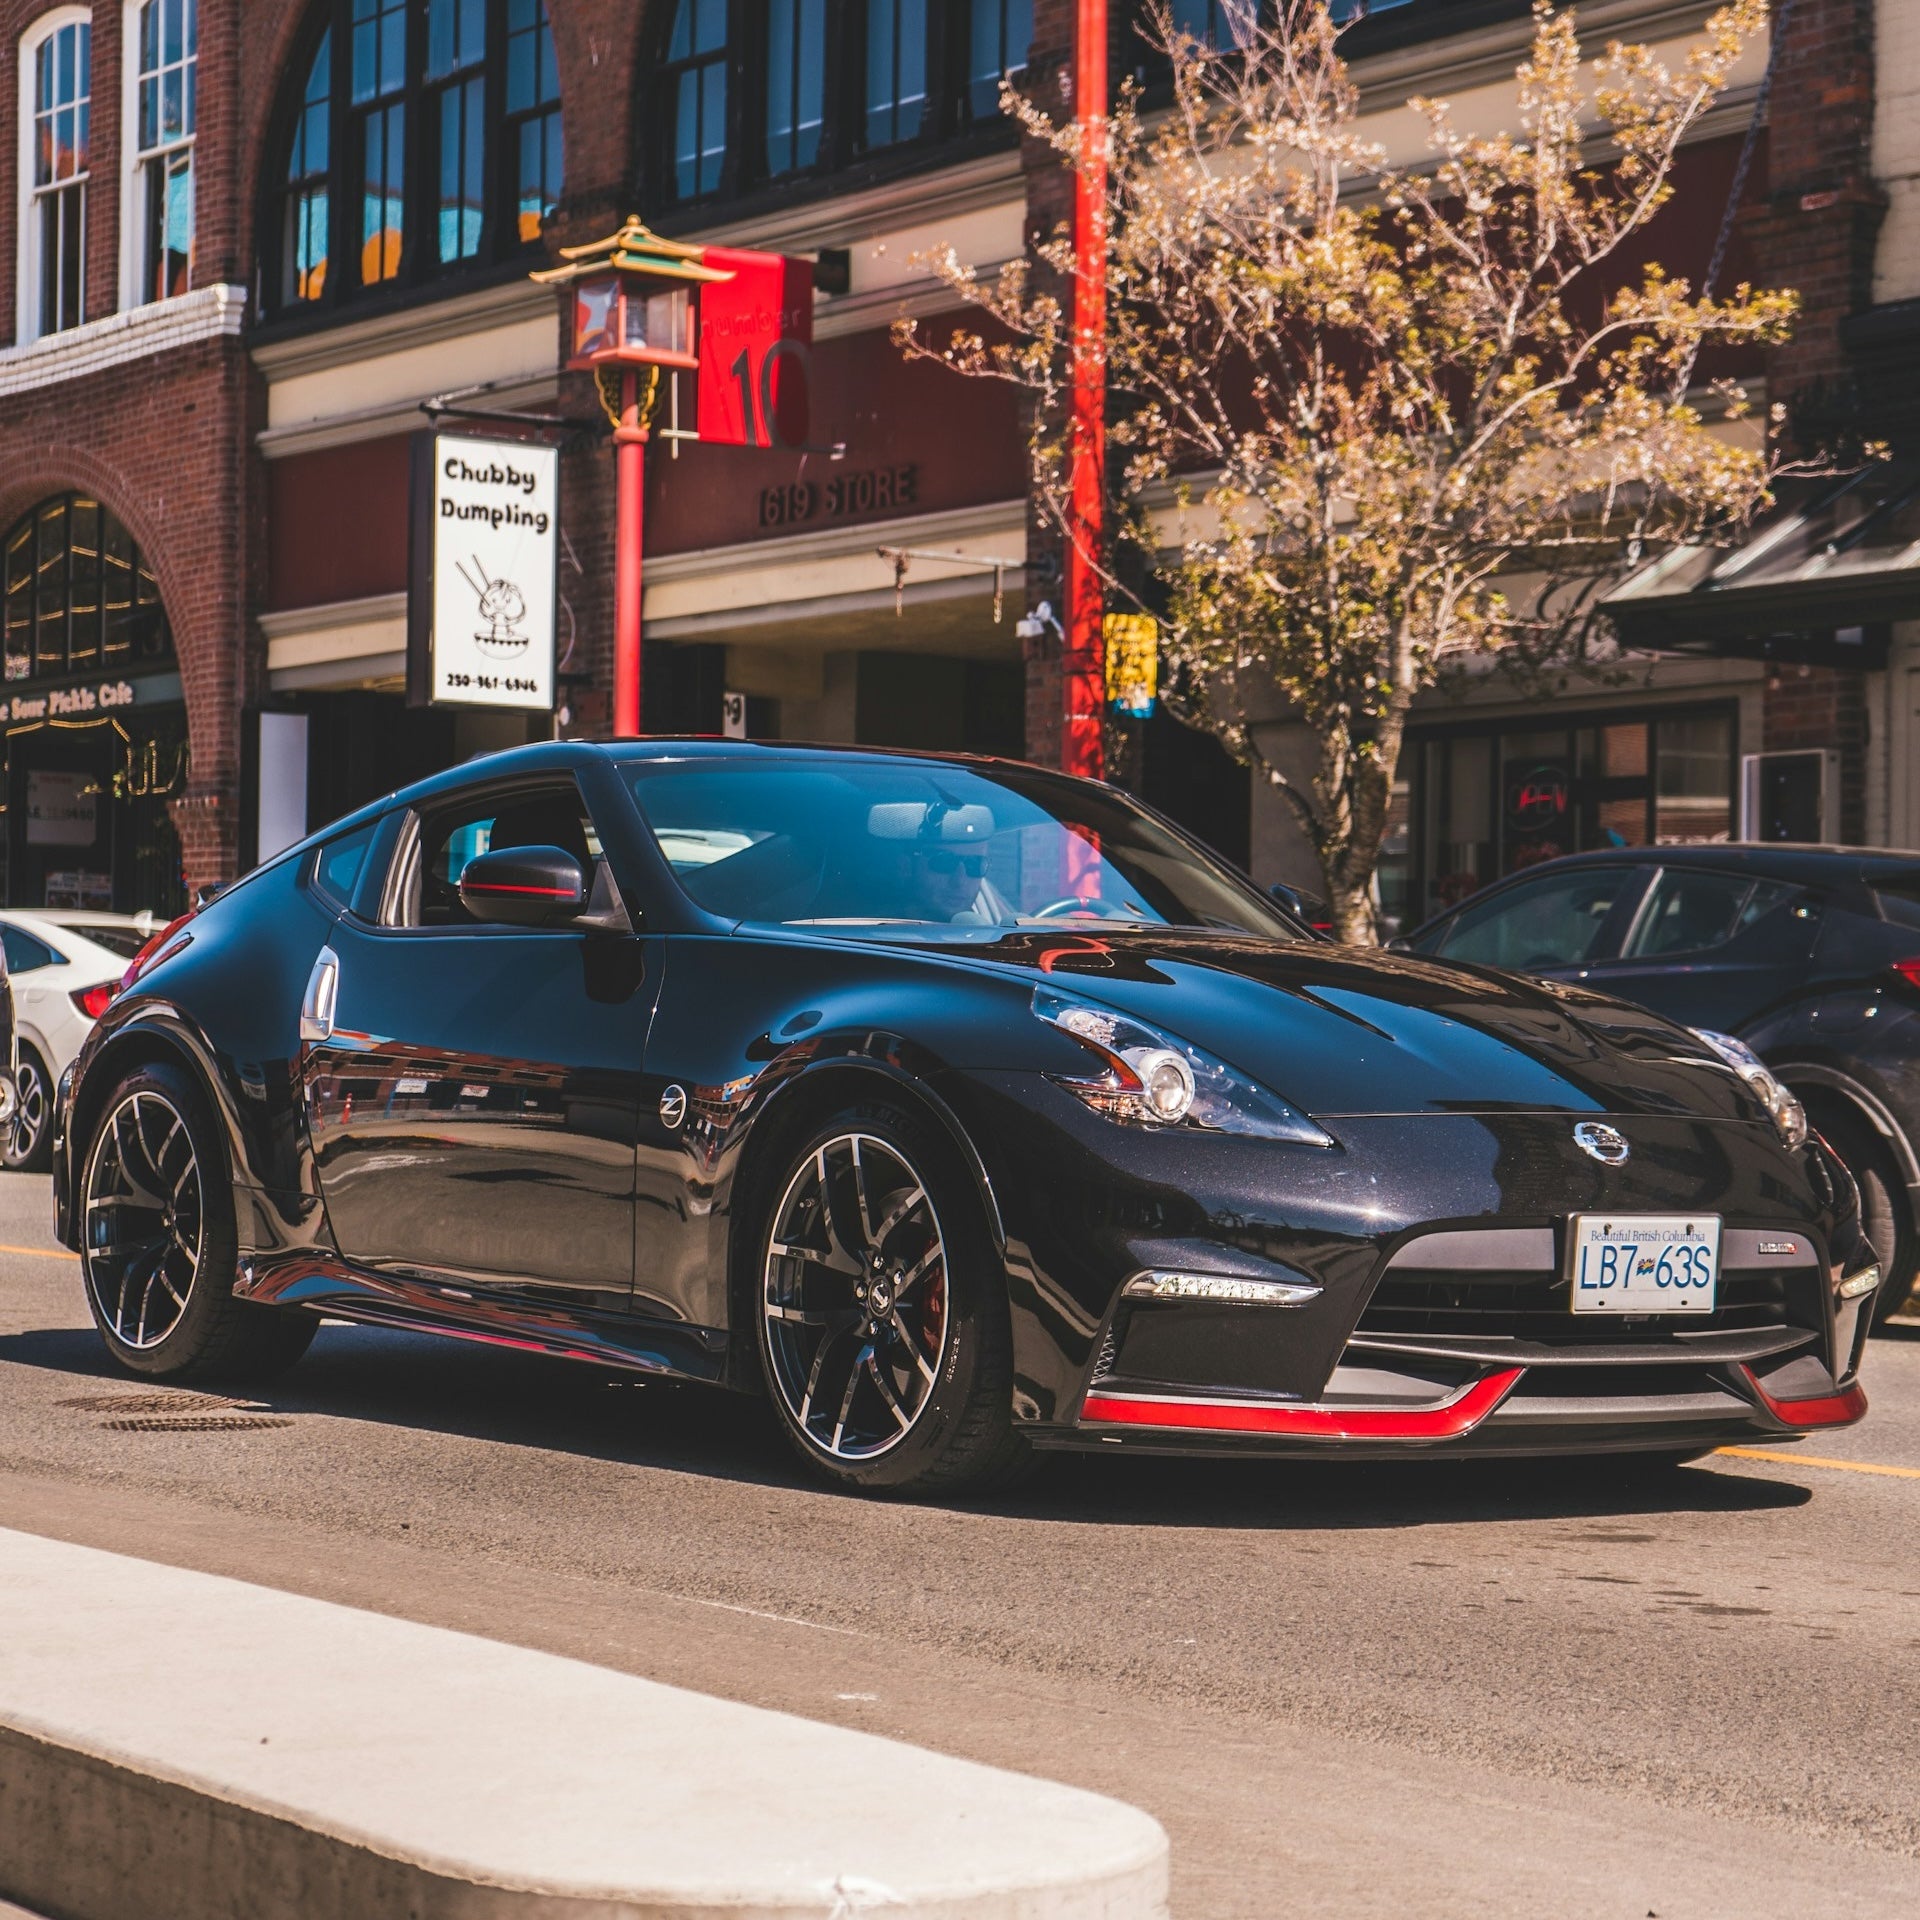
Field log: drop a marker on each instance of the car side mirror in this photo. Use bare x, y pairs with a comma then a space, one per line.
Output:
523, 886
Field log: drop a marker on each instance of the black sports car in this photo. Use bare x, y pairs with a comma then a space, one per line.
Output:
957, 1106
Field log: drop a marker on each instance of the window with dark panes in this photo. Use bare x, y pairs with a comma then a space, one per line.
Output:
79, 596
796, 83
1554, 921
421, 139
59, 136
457, 104
744, 94
694, 82
998, 35
378, 140
533, 117
167, 52
307, 201
896, 70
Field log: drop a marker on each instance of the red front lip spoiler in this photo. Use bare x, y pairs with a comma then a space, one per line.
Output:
1829, 1410
1447, 1420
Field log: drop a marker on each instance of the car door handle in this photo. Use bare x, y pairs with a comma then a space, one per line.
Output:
323, 993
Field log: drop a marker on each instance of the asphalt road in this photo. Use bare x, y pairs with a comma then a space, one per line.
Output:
1551, 1692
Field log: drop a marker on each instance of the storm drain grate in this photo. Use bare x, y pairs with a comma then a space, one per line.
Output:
156, 1403
196, 1423
177, 1413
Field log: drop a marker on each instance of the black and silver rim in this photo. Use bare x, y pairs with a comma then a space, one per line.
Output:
854, 1297
145, 1221
29, 1113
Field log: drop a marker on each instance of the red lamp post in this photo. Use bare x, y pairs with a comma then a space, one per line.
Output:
636, 304
1082, 747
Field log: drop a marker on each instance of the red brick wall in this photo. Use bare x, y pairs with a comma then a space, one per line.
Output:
1814, 229
164, 441
1821, 707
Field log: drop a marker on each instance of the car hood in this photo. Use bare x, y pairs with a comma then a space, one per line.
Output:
1350, 1031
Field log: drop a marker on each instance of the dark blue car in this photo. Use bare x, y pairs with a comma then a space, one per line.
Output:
1810, 955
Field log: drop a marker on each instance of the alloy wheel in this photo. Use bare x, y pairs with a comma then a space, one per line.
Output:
145, 1219
854, 1297
30, 1114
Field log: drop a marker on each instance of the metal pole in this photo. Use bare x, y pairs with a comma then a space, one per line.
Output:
1081, 746
629, 455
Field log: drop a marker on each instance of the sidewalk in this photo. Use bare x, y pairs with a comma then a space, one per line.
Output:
176, 1746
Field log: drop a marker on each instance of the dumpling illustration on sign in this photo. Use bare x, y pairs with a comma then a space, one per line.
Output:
502, 606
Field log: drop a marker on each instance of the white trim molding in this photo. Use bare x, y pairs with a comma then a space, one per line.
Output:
345, 643
208, 313
833, 570
27, 263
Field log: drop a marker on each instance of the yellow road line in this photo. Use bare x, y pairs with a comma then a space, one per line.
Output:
41, 1253
1816, 1460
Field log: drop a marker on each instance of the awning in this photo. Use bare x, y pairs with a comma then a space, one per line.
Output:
1818, 581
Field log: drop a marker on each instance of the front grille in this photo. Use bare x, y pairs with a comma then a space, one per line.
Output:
1534, 1306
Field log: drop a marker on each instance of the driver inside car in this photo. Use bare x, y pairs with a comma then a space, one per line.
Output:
941, 855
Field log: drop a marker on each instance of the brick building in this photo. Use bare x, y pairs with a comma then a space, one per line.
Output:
242, 243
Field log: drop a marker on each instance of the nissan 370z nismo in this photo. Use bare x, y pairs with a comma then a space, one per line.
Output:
959, 1108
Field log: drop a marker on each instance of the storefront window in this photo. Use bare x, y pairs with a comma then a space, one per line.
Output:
1484, 803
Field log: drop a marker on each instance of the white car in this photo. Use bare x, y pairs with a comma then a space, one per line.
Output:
64, 966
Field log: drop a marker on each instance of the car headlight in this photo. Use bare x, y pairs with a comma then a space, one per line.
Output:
1789, 1116
1150, 1078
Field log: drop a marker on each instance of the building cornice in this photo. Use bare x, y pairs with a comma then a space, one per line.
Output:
396, 417
1442, 65
845, 218
412, 326
164, 326
1005, 519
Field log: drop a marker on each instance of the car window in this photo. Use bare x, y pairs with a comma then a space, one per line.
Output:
854, 843
1553, 921
424, 889
335, 871
125, 941
1687, 910
24, 952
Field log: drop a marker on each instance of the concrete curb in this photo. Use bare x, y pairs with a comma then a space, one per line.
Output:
175, 1746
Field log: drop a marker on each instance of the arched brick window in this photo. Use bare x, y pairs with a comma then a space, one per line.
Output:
417, 141
79, 597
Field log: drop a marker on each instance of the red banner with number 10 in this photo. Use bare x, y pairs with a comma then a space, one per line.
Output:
756, 331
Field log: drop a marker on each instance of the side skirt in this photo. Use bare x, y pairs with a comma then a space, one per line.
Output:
325, 1283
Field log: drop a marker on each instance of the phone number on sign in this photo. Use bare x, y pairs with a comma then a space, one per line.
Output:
492, 683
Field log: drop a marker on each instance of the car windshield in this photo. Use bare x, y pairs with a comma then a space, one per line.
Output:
856, 843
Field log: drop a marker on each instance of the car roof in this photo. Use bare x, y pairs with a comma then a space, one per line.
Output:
38, 920
1809, 863
550, 756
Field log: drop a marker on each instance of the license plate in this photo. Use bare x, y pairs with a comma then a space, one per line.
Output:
1643, 1262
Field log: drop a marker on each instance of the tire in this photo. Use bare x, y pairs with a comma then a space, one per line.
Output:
880, 1307
1885, 1214
159, 1277
26, 1143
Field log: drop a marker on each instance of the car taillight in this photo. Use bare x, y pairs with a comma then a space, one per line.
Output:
147, 954
1909, 970
94, 1001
